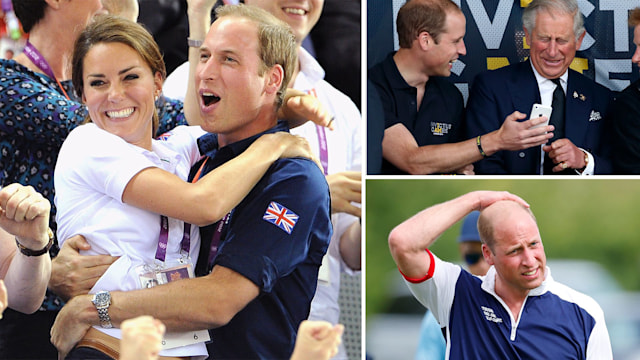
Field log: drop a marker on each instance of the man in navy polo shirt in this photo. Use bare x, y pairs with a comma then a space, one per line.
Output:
424, 112
274, 240
516, 311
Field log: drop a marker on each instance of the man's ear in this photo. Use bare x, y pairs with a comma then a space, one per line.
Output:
273, 79
579, 41
425, 41
488, 255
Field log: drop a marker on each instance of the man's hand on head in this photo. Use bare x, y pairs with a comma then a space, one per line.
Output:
485, 199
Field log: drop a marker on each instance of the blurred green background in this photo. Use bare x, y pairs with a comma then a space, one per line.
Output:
594, 219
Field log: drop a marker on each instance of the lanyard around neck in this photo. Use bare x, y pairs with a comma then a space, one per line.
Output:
219, 225
38, 60
163, 239
322, 141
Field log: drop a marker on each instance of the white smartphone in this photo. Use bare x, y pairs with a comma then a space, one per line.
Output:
538, 110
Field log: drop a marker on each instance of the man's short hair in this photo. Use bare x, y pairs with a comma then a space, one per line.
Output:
277, 43
530, 13
634, 17
418, 16
486, 228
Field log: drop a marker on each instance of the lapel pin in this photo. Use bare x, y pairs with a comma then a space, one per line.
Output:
575, 94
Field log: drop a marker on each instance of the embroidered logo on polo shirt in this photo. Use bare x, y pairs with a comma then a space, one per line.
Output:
165, 136
490, 315
440, 129
281, 217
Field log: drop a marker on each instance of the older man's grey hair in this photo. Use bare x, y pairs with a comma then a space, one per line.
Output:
570, 7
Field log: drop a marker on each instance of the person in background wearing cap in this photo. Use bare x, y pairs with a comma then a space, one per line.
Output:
470, 245
431, 343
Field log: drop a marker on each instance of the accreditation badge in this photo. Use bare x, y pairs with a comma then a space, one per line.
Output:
160, 273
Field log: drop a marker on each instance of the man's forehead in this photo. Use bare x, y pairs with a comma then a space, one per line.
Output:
503, 205
547, 18
453, 18
232, 30
234, 23
511, 216
507, 210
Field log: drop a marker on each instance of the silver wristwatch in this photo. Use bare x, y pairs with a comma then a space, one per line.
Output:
102, 300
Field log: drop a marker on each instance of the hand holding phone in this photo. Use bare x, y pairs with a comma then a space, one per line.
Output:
538, 110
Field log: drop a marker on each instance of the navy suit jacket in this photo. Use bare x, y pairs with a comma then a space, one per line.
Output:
498, 93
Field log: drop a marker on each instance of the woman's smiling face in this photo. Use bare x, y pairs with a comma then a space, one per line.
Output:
120, 95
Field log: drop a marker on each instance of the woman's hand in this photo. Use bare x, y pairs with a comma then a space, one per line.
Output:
285, 145
299, 107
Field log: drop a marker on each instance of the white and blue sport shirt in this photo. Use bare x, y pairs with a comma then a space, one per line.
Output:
555, 321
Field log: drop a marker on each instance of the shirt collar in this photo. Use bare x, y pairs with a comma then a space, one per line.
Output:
208, 143
542, 81
397, 81
489, 283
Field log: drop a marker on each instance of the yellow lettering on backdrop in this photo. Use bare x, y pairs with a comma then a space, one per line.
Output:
579, 64
496, 62
525, 3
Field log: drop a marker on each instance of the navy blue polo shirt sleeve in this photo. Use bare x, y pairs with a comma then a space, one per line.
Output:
390, 86
283, 222
440, 117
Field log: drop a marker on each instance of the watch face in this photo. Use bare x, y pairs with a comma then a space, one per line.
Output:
102, 298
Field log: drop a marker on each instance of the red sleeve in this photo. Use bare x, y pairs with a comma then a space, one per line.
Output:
429, 274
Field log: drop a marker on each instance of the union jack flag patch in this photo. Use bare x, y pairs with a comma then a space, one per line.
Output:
281, 217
